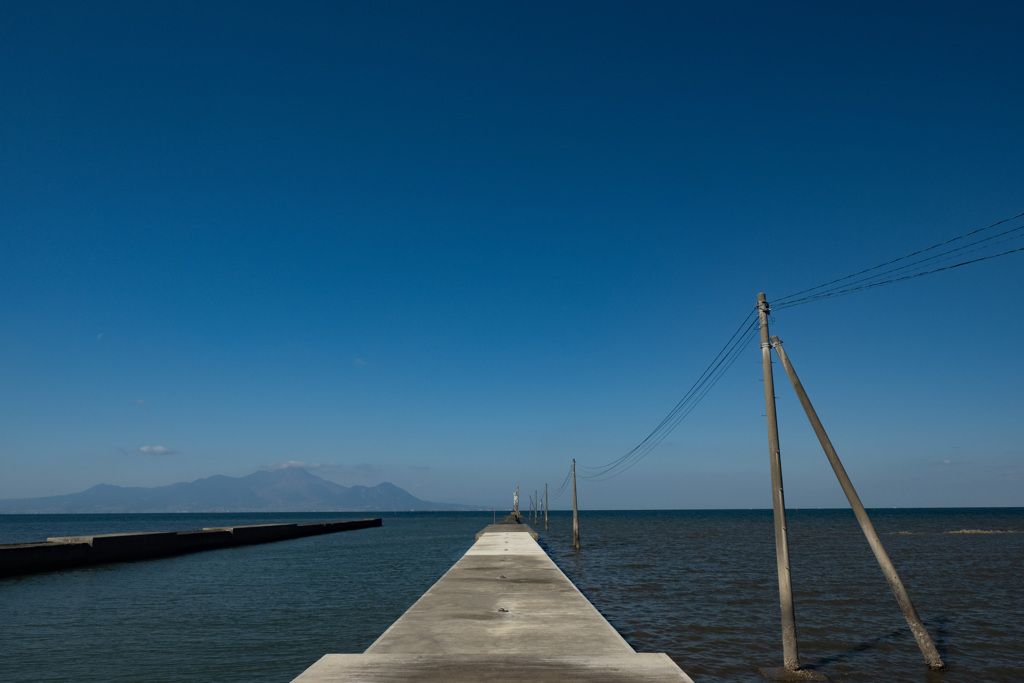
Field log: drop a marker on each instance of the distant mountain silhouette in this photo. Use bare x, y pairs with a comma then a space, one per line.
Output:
286, 490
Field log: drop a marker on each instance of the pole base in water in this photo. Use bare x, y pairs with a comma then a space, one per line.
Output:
784, 674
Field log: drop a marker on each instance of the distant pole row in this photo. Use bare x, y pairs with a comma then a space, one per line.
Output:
535, 506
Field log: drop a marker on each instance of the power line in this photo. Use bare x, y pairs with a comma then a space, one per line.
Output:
888, 273
912, 265
564, 484
872, 285
700, 388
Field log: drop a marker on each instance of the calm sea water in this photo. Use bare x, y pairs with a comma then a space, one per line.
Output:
699, 585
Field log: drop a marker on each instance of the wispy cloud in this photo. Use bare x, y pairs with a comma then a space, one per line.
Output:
156, 450
139, 401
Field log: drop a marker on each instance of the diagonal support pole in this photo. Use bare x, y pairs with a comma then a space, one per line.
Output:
924, 641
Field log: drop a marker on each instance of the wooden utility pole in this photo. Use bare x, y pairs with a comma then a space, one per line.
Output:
790, 655
575, 511
924, 640
545, 506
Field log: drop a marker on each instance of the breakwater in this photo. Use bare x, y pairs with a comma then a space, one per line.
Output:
65, 552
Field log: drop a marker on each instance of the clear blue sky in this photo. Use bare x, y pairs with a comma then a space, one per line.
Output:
453, 245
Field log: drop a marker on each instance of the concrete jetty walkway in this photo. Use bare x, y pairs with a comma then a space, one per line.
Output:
503, 612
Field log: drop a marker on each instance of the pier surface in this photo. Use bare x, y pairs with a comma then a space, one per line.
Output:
503, 612
67, 552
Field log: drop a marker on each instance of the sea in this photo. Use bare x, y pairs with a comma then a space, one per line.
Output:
699, 585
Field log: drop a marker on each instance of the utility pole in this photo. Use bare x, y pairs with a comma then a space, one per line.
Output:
575, 511
924, 640
790, 655
545, 506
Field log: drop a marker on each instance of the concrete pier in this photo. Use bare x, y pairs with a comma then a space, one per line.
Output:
65, 552
503, 612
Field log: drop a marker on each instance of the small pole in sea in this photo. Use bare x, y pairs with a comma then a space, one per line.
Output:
536, 506
545, 506
924, 640
575, 511
790, 655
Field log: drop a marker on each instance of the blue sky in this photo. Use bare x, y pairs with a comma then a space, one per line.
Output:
454, 245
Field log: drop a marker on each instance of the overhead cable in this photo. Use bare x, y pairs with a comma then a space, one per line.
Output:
700, 388
914, 265
565, 483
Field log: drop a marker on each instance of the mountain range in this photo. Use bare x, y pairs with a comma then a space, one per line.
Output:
291, 489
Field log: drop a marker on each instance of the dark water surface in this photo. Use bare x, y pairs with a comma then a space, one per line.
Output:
699, 585
702, 587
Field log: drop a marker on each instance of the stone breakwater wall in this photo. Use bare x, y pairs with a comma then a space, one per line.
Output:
65, 552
